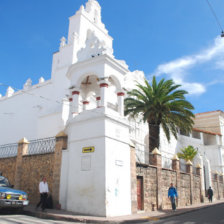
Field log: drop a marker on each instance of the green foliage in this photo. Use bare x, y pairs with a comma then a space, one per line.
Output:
188, 153
160, 103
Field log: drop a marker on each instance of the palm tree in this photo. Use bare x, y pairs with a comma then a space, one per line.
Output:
187, 153
160, 104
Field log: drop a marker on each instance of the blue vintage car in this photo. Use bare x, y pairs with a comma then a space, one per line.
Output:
11, 198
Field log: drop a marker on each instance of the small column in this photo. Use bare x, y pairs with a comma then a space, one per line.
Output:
202, 137
85, 104
208, 174
218, 138
22, 150
70, 106
98, 101
61, 144
175, 163
221, 185
156, 160
120, 96
103, 92
75, 101
199, 173
190, 171
133, 180
189, 167
176, 167
198, 170
217, 181
221, 177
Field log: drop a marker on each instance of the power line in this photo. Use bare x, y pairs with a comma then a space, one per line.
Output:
216, 17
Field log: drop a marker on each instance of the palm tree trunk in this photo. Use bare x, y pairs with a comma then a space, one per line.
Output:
153, 136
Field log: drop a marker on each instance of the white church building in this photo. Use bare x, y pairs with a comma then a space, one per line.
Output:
85, 99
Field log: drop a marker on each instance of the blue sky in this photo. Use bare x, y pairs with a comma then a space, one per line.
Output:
169, 38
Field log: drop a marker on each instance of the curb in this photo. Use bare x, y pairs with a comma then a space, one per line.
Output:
46, 215
176, 213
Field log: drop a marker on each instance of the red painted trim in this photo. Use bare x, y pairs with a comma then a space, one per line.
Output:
120, 94
70, 99
207, 132
209, 112
75, 92
103, 85
98, 98
85, 102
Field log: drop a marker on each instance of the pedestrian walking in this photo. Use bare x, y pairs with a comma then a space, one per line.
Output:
43, 189
172, 195
210, 194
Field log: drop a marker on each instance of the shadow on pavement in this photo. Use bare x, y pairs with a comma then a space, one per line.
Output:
11, 211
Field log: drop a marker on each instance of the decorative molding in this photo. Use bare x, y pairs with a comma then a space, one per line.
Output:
61, 134
175, 157
75, 92
120, 94
189, 162
93, 48
23, 141
156, 152
104, 85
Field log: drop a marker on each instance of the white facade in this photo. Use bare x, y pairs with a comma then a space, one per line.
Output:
210, 151
46, 105
97, 182
84, 98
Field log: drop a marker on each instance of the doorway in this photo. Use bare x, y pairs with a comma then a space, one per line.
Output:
140, 192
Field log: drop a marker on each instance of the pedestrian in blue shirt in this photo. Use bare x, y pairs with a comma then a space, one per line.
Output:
172, 194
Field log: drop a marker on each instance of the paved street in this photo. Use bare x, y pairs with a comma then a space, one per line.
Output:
23, 219
210, 215
213, 214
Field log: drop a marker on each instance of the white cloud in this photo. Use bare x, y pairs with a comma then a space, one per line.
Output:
178, 69
214, 82
220, 64
194, 88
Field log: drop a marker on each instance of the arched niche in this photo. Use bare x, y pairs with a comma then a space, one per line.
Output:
89, 90
114, 88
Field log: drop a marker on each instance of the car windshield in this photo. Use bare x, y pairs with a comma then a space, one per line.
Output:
4, 182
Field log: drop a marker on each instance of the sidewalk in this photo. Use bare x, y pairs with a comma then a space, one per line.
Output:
63, 215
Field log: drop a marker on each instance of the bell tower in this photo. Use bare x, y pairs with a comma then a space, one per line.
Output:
95, 178
85, 28
87, 20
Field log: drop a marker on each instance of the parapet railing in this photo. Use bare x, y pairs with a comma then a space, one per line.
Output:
38, 146
41, 146
8, 150
183, 167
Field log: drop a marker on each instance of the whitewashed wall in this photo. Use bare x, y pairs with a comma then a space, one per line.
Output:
23, 114
98, 183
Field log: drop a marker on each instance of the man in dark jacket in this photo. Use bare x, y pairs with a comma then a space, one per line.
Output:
210, 194
172, 194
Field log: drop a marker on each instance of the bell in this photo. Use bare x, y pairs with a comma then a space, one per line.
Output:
222, 34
